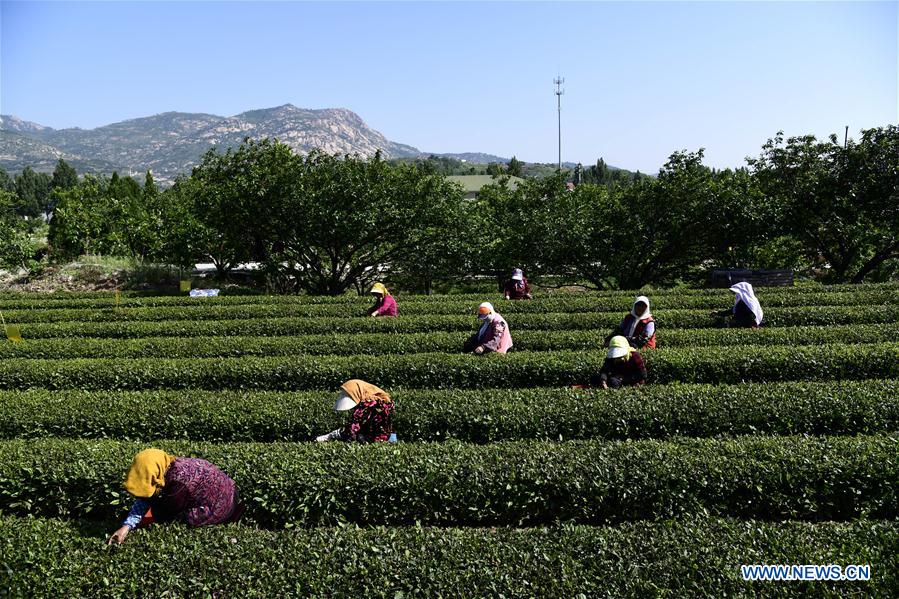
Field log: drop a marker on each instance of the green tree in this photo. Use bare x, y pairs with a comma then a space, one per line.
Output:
842, 204
649, 232
79, 223
15, 248
150, 191
346, 222
440, 251
514, 167
32, 190
103, 216
516, 225
64, 176
184, 238
6, 182
236, 194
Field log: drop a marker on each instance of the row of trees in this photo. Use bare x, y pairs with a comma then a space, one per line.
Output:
325, 224
23, 199
31, 191
815, 206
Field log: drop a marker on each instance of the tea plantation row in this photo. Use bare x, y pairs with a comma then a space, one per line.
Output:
515, 483
438, 370
473, 416
687, 557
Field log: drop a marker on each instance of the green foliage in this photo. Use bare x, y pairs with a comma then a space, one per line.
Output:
471, 416
6, 182
690, 557
376, 344
186, 238
358, 217
513, 169
16, 248
841, 203
235, 193
812, 292
448, 317
121, 324
465, 304
516, 483
64, 176
113, 216
492, 441
658, 228
439, 370
33, 191
511, 226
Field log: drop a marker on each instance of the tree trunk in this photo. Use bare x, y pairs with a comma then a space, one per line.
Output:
878, 259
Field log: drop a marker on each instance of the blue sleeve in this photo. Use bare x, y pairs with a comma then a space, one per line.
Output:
138, 510
650, 329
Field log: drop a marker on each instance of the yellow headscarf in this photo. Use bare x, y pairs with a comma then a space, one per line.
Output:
147, 473
379, 288
361, 391
620, 343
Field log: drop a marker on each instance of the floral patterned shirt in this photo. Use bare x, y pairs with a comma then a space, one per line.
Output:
196, 492
370, 421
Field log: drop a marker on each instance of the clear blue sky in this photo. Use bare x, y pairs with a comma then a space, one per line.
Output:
642, 79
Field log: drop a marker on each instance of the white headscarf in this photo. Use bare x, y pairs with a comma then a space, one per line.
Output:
637, 318
746, 295
488, 318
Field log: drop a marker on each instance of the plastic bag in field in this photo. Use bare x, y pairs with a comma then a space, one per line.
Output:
204, 292
13, 333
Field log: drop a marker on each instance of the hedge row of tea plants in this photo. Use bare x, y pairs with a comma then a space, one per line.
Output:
452, 304
431, 370
408, 343
474, 416
690, 557
274, 327
519, 314
455, 484
250, 296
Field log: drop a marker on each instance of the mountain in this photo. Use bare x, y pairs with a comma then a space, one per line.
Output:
171, 143
475, 157
18, 151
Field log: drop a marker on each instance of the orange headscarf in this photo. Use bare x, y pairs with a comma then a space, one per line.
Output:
361, 391
147, 473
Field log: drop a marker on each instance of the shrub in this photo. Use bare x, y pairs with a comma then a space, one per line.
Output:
522, 369
515, 483
692, 557
474, 416
408, 343
111, 324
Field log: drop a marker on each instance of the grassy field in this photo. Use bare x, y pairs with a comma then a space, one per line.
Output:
775, 446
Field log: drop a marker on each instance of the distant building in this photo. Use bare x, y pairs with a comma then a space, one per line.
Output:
473, 183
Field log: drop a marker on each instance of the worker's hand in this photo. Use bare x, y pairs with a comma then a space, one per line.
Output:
603, 384
118, 537
479, 350
507, 297
373, 315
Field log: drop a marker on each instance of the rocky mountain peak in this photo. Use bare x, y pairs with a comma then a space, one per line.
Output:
171, 143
